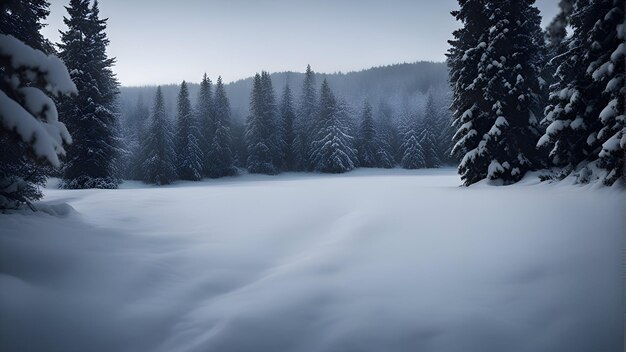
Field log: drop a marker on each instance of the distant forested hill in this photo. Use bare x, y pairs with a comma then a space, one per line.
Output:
398, 85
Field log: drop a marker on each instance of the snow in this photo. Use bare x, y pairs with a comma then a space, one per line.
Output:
35, 61
47, 138
372, 260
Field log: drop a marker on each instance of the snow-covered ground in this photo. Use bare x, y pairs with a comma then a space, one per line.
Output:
373, 260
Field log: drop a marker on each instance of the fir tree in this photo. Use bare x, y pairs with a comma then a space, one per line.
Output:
468, 106
288, 116
259, 132
411, 148
23, 20
499, 128
134, 128
367, 145
607, 50
389, 147
158, 159
91, 160
583, 117
29, 122
428, 135
204, 111
220, 154
188, 154
306, 115
276, 133
332, 150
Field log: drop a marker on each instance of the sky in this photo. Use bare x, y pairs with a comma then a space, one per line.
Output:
164, 41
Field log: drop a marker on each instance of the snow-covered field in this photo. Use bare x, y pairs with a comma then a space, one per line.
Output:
373, 260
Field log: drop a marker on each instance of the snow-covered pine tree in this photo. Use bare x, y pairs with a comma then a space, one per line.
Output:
512, 66
91, 160
28, 118
367, 141
288, 116
428, 134
204, 112
188, 154
588, 82
158, 155
220, 153
607, 49
276, 141
24, 21
468, 106
332, 147
411, 148
387, 138
306, 115
259, 126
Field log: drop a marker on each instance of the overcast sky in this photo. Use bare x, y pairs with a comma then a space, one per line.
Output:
164, 41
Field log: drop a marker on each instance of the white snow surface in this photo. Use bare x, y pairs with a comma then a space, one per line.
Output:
372, 260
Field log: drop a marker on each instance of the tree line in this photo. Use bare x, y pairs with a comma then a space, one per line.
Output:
319, 132
525, 99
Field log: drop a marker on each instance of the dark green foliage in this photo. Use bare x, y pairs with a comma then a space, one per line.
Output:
92, 158
188, 154
220, 156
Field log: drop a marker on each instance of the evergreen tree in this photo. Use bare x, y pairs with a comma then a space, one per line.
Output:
332, 149
607, 50
204, 111
259, 132
29, 122
499, 128
468, 105
446, 132
389, 147
158, 159
288, 116
220, 154
428, 134
367, 146
306, 115
276, 133
134, 128
583, 117
411, 148
188, 154
91, 160
23, 20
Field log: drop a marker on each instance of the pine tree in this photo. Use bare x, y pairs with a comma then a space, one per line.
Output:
259, 132
23, 20
367, 145
135, 128
306, 115
276, 133
332, 150
204, 112
607, 49
158, 156
586, 103
498, 126
411, 148
188, 154
428, 135
29, 122
467, 48
91, 160
220, 153
446, 132
389, 147
288, 116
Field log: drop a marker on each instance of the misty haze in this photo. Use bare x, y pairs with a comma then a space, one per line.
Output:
312, 176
